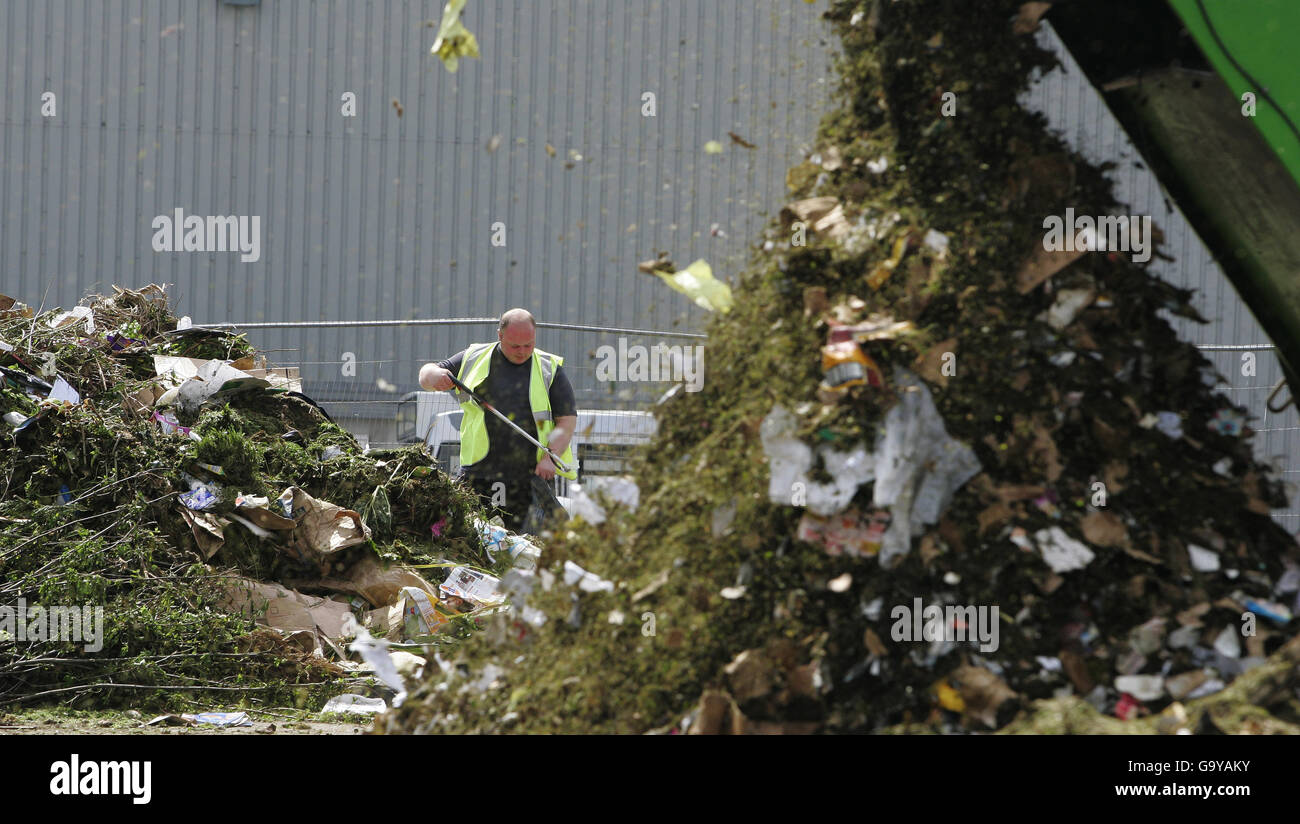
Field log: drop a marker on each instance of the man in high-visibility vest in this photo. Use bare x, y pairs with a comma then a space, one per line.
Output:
528, 386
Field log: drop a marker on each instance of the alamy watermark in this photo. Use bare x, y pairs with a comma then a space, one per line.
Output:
1113, 233
660, 362
951, 623
77, 777
80, 625
214, 233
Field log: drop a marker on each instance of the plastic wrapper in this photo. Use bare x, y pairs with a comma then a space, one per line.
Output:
493, 535
919, 467
352, 704
845, 365
421, 616
848, 533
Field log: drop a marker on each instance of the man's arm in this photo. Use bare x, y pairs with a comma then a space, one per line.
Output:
433, 378
565, 409
436, 377
563, 433
558, 442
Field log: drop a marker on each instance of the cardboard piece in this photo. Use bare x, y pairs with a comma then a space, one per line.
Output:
11, 308
280, 378
199, 380
176, 370
1041, 265
381, 587
206, 529
322, 528
825, 215
255, 509
286, 609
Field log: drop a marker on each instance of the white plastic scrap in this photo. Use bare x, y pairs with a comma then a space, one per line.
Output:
63, 392
212, 377
583, 506
75, 314
788, 458
353, 704
849, 470
375, 653
936, 241
1141, 687
1170, 424
1067, 306
1184, 637
1203, 560
533, 616
491, 672
518, 584
252, 527
918, 465
1061, 552
586, 581
1290, 580
1228, 644
722, 517
871, 609
1208, 688
220, 719
619, 490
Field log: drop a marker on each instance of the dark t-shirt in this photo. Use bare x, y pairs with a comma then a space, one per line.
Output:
506, 388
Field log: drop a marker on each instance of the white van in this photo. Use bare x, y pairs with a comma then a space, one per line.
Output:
602, 441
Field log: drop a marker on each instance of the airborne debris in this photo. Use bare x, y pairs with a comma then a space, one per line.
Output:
454, 41
697, 283
740, 141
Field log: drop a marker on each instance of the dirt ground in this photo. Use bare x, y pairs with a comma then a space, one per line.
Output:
72, 722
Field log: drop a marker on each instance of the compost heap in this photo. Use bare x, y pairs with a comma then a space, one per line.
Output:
1019, 429
227, 528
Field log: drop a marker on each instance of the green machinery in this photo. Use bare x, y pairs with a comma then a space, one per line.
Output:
1229, 151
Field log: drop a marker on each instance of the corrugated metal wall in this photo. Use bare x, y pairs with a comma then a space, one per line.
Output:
223, 110
1074, 108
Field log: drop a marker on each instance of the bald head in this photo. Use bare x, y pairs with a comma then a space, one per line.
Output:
517, 332
512, 317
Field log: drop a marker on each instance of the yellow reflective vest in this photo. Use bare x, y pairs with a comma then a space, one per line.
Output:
474, 368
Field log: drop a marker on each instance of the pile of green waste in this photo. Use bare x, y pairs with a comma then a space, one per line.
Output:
118, 497
981, 424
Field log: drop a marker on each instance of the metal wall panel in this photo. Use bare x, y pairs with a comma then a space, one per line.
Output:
226, 110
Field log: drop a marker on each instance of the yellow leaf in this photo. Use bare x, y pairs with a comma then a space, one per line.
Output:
949, 698
697, 283
454, 40
885, 268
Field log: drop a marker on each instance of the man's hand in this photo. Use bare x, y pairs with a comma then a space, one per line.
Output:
545, 468
433, 378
